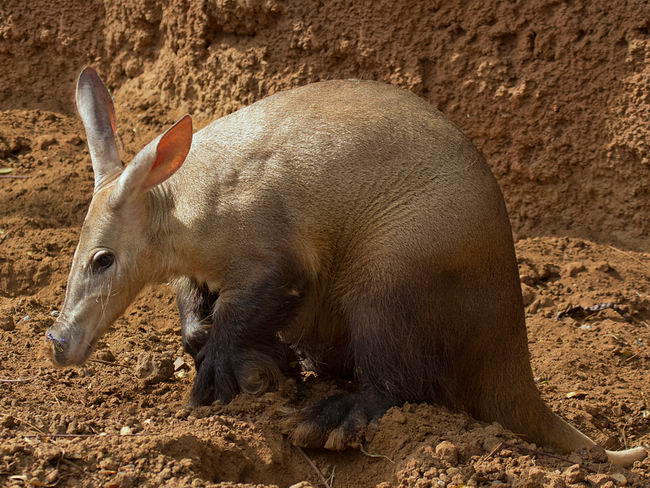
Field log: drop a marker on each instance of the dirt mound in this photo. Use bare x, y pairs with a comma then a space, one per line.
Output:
555, 94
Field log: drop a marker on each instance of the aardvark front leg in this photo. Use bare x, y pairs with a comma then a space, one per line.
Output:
243, 352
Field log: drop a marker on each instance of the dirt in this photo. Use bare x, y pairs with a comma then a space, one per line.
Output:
554, 93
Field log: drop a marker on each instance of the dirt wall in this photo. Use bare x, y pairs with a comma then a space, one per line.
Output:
556, 94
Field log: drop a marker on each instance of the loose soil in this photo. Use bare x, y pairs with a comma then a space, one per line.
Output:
555, 94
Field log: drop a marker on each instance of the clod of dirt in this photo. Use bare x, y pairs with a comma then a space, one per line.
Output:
8, 421
105, 355
7, 323
574, 474
573, 269
153, 369
448, 452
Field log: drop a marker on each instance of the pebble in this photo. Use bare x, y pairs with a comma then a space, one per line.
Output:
180, 363
152, 369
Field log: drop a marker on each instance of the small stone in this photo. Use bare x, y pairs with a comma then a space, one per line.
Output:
448, 452
302, 484
180, 374
152, 369
576, 394
619, 478
126, 430
180, 363
574, 474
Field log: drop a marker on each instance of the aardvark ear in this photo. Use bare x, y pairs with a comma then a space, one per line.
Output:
158, 160
96, 110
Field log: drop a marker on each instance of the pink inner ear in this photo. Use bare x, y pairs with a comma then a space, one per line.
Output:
171, 151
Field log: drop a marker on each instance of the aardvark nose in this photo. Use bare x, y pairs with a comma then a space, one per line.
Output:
58, 342
59, 346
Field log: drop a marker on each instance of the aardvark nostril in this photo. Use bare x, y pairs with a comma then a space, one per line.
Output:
57, 342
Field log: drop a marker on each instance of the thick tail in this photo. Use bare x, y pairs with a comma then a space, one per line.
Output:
565, 437
524, 412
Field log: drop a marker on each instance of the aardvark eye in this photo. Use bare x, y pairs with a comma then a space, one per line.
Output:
102, 260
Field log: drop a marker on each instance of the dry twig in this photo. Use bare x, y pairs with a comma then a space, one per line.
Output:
629, 256
108, 363
548, 454
314, 467
37, 429
495, 450
20, 380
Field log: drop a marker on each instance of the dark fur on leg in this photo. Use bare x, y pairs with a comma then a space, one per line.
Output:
243, 351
